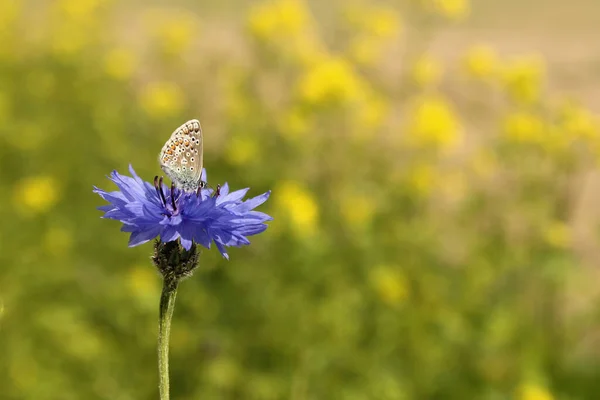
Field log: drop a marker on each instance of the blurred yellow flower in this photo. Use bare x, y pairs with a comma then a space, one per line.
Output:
298, 206
242, 150
36, 195
524, 127
143, 283
74, 22
481, 62
452, 9
280, 18
578, 122
558, 234
365, 50
9, 12
58, 241
433, 122
357, 210
376, 21
294, 125
289, 27
331, 81
390, 284
523, 79
427, 71
162, 99
120, 63
376, 26
533, 392
174, 31
79, 10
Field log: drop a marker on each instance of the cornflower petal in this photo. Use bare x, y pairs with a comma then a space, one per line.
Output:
226, 219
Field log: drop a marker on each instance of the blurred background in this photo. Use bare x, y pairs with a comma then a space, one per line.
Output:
434, 167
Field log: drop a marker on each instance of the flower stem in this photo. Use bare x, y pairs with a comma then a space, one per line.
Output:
167, 305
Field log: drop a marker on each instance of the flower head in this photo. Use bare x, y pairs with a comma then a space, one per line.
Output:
149, 210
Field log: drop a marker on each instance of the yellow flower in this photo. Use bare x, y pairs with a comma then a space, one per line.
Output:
58, 241
120, 63
365, 50
558, 234
427, 71
433, 122
173, 30
524, 127
162, 99
79, 10
523, 79
390, 284
481, 62
294, 125
36, 195
376, 21
288, 27
331, 81
280, 18
74, 24
9, 13
377, 27
534, 392
357, 210
452, 9
298, 206
579, 122
242, 150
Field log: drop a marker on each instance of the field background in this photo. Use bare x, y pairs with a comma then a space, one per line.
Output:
434, 168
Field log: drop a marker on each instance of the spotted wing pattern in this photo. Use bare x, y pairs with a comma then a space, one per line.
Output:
181, 156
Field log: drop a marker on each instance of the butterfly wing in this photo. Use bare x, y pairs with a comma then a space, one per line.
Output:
181, 156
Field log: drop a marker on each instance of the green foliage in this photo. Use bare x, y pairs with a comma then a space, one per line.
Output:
423, 243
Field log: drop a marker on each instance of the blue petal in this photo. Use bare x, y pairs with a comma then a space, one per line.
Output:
222, 250
144, 236
186, 243
252, 203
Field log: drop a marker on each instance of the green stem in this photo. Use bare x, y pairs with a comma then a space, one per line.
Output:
167, 305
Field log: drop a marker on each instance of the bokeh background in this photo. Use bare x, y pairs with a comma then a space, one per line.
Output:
435, 188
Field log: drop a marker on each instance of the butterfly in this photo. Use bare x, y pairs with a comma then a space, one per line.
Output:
181, 157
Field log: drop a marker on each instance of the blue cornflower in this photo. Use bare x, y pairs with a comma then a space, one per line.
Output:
149, 210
